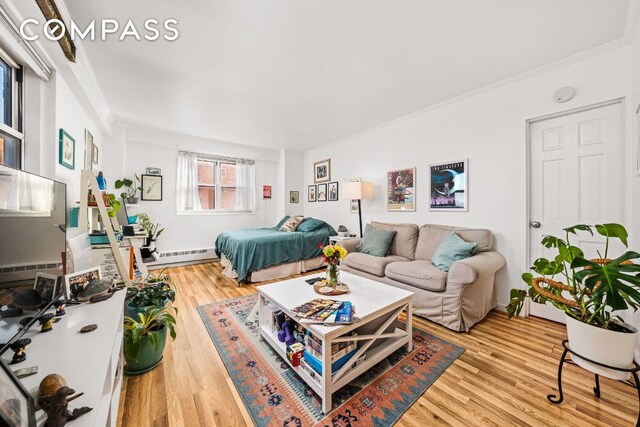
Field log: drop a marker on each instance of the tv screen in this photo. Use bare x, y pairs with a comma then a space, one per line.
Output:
32, 225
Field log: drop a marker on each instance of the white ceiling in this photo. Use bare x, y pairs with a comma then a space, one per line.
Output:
298, 73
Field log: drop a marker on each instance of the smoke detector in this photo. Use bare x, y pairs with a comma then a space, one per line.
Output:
564, 94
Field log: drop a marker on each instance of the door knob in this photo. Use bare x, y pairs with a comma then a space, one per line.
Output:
535, 224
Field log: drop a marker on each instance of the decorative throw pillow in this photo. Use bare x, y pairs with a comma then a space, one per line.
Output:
452, 248
282, 221
375, 241
311, 224
292, 223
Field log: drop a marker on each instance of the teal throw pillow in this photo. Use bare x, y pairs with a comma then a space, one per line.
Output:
311, 224
452, 249
375, 241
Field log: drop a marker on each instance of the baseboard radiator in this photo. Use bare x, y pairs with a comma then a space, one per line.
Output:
186, 256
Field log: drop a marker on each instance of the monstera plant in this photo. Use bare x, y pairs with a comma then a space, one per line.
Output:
590, 292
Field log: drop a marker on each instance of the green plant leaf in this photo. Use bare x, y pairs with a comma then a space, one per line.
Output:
516, 302
581, 227
546, 267
614, 230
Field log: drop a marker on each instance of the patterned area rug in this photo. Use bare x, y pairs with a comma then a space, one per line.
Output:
275, 396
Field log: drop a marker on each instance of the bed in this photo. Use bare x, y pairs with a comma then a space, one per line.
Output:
268, 253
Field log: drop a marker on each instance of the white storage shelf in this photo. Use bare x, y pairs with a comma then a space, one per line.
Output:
91, 363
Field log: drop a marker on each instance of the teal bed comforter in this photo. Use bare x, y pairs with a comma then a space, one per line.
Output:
255, 249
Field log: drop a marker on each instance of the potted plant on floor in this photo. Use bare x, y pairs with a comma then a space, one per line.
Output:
156, 291
153, 233
590, 292
145, 339
132, 186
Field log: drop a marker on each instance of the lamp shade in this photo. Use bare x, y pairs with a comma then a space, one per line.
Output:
358, 190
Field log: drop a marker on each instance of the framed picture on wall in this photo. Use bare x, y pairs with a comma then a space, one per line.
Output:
322, 171
67, 148
96, 159
353, 206
266, 191
448, 186
333, 191
88, 150
311, 193
322, 192
151, 187
294, 197
401, 194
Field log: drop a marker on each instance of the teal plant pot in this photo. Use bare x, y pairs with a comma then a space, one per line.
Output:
149, 356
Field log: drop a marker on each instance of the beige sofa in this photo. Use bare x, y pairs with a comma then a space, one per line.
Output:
457, 299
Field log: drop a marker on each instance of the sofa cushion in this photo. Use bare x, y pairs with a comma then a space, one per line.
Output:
421, 274
370, 264
431, 236
452, 248
376, 241
404, 244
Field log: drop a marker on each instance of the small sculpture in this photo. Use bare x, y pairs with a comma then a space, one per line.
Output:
88, 328
20, 350
50, 384
60, 308
55, 405
46, 322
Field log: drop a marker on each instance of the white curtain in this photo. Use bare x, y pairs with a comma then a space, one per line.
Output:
187, 198
245, 186
23, 192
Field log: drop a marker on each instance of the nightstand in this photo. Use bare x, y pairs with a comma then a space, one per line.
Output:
347, 242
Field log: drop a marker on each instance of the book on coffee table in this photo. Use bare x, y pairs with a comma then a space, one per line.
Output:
312, 307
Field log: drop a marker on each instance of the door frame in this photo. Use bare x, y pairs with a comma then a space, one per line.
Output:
620, 100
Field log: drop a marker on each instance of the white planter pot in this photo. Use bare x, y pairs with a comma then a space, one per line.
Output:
602, 345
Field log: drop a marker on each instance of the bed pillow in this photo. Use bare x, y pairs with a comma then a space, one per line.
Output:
452, 248
376, 241
311, 224
292, 223
282, 221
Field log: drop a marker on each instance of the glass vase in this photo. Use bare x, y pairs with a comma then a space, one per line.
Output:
333, 275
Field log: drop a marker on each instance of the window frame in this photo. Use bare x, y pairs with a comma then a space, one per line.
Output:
218, 186
16, 130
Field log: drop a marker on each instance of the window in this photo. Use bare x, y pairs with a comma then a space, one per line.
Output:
215, 184
11, 135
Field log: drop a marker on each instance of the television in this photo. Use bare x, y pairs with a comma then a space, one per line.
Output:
32, 225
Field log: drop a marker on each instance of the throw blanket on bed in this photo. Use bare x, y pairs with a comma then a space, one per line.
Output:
255, 249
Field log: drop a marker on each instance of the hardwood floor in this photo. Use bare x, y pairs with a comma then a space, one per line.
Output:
502, 378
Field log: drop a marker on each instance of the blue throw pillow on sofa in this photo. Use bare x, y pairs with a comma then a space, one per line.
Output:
375, 241
452, 248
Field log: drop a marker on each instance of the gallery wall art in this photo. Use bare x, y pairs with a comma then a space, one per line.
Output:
67, 150
401, 190
322, 171
448, 186
311, 193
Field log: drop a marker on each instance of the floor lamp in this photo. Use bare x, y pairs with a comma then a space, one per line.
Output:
358, 190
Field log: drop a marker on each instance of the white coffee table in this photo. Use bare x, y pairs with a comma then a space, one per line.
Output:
372, 300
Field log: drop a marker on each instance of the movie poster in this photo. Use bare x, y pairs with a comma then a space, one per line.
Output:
448, 186
401, 194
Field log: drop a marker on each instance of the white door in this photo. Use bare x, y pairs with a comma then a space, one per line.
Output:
576, 167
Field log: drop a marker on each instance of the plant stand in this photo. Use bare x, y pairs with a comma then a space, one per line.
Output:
596, 390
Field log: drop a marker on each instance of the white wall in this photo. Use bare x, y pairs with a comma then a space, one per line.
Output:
145, 147
73, 118
292, 163
489, 129
634, 135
